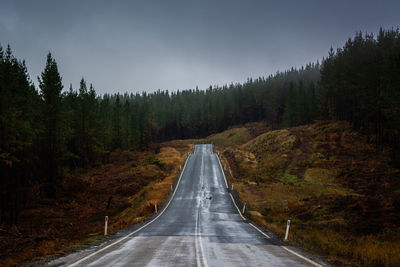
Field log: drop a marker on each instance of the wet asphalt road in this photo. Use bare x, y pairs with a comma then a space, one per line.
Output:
200, 227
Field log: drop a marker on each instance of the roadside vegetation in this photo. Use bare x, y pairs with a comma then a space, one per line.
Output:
126, 190
342, 197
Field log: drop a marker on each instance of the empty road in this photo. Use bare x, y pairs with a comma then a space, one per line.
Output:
200, 227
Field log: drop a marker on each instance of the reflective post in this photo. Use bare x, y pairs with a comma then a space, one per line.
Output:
105, 225
287, 230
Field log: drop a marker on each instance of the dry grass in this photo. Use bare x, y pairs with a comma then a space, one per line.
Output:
339, 194
279, 141
143, 203
313, 227
370, 251
231, 137
135, 181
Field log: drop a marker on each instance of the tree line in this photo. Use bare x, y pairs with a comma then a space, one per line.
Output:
360, 83
48, 132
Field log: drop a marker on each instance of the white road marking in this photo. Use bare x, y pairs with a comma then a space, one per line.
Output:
196, 241
196, 233
201, 245
234, 203
200, 256
137, 230
264, 234
302, 257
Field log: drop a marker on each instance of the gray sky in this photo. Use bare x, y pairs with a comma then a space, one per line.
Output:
147, 45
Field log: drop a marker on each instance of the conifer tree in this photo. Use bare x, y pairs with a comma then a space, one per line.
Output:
117, 126
51, 85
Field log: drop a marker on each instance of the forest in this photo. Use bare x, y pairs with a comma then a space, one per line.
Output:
49, 132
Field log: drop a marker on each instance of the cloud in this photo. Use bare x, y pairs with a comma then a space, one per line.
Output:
148, 45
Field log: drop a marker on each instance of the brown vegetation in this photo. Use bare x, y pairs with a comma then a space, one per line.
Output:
125, 190
341, 194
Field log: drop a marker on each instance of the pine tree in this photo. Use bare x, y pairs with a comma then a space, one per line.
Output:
51, 85
117, 126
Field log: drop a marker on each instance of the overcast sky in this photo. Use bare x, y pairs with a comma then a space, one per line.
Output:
131, 46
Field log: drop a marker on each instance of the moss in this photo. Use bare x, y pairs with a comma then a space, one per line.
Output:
289, 178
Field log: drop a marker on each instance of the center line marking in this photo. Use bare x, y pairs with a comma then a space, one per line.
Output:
196, 241
200, 257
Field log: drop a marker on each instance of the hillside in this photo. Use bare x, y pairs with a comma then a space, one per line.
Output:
236, 135
126, 189
341, 194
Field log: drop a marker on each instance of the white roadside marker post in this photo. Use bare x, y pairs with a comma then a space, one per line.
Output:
244, 207
105, 225
232, 187
155, 207
287, 230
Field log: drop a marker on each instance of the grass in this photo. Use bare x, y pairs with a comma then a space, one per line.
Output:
75, 220
319, 232
231, 137
289, 178
322, 180
319, 176
86, 243
143, 203
276, 142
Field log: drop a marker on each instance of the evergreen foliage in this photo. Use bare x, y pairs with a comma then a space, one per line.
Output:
360, 83
50, 85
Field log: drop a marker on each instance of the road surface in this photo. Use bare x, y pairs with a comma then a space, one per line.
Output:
200, 227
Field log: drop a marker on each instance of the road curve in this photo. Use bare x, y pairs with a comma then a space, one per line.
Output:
200, 227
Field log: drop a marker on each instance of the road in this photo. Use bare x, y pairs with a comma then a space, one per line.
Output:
200, 227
